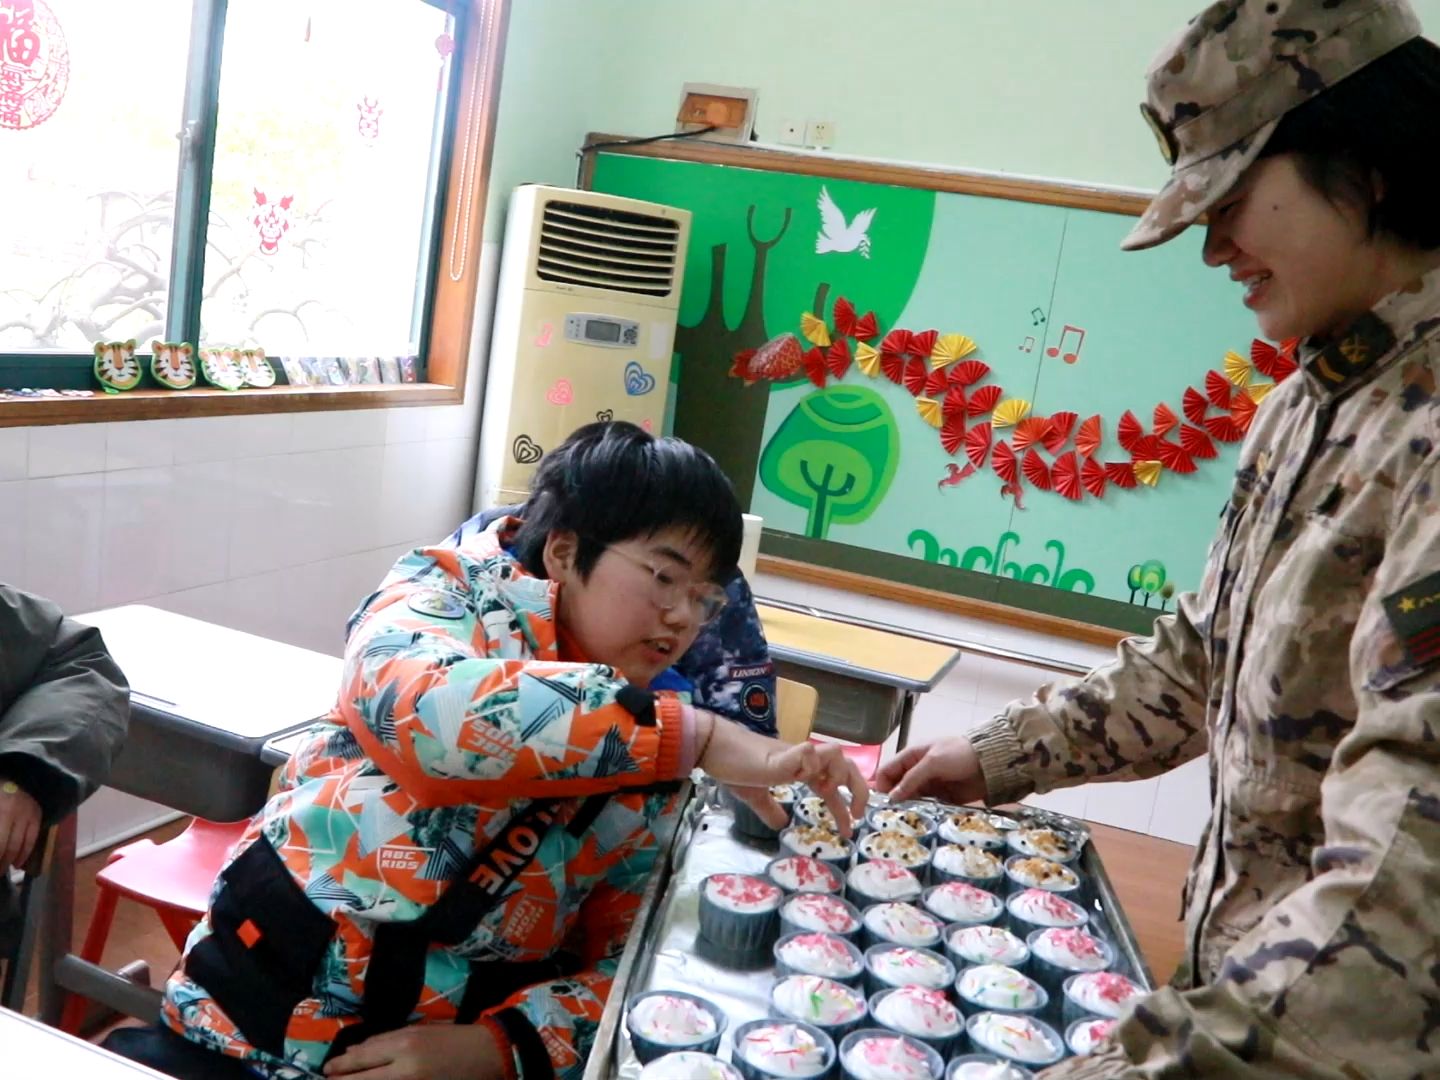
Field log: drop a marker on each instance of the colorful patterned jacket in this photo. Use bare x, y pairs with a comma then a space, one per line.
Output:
455, 713
1309, 665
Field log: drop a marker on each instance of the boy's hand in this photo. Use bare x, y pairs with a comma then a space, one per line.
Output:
20, 820
948, 770
423, 1052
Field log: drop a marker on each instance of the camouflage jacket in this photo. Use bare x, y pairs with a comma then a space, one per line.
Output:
1309, 664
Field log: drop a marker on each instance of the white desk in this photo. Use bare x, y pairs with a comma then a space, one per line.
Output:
30, 1049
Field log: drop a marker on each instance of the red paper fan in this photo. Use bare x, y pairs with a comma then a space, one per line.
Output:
1279, 364
1242, 408
952, 434
893, 365
1121, 474
815, 366
1146, 448
1197, 443
837, 358
1175, 458
1165, 419
969, 372
1224, 428
1036, 471
984, 400
1030, 431
1004, 463
896, 343
1217, 389
1129, 431
954, 401
1066, 475
916, 375
1061, 425
866, 327
1092, 475
1087, 441
844, 316
977, 444
936, 384
1195, 405
922, 343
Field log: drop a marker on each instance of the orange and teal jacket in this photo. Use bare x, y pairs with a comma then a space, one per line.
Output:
456, 712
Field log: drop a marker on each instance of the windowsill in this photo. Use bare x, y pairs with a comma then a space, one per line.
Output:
207, 401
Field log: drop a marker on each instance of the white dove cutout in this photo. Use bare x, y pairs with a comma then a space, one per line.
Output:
836, 235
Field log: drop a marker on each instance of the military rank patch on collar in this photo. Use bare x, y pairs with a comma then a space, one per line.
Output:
1414, 612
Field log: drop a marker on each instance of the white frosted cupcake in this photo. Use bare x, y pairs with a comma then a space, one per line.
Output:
984, 1067
907, 850
1039, 909
826, 955
688, 1065
766, 1049
801, 873
879, 880
1084, 1035
996, 988
1047, 843
811, 810
926, 1015
666, 1020
1056, 954
1033, 872
961, 902
902, 819
889, 966
986, 945
747, 823
971, 830
902, 924
739, 913
1099, 993
819, 843
1021, 1039
874, 1054
961, 862
819, 912
833, 1007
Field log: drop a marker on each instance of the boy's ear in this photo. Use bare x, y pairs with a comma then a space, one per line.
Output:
561, 548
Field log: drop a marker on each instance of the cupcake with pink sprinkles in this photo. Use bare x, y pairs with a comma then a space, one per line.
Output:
961, 902
923, 1014
1019, 1039
903, 924
1084, 1036
985, 945
819, 912
874, 1054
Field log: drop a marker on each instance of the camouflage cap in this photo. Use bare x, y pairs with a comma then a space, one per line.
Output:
1218, 89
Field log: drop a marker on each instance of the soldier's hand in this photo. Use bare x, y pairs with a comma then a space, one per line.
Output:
20, 820
948, 770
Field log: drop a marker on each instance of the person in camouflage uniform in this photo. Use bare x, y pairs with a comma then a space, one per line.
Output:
1308, 662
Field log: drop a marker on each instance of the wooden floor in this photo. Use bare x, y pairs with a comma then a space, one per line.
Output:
1146, 872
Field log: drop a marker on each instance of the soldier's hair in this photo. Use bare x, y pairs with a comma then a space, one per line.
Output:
1379, 124
614, 481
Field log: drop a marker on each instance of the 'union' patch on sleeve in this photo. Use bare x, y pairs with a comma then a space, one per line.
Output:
1414, 612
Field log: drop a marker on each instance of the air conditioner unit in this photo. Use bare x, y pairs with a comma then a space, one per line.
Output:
584, 329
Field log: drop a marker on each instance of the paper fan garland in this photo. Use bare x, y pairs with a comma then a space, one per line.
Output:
1258, 392
1165, 419
815, 366
1278, 364
896, 343
1092, 476
955, 401
1242, 409
1004, 462
1238, 369
837, 358
1175, 458
1036, 471
949, 348
1196, 443
977, 444
1087, 441
1217, 389
844, 315
922, 344
983, 400
1148, 472
866, 328
867, 359
1061, 424
1128, 431
814, 330
969, 372
1224, 428
893, 365
1147, 447
936, 384
1121, 473
915, 377
1194, 405
929, 410
953, 435
1065, 474
1011, 412
1028, 432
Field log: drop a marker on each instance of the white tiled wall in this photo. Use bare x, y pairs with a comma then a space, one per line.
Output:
1174, 807
275, 524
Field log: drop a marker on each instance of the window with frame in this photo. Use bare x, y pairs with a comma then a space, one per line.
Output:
242, 173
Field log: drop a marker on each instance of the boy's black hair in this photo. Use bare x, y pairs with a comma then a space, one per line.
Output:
613, 481
1377, 127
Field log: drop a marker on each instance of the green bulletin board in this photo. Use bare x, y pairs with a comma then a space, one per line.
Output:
860, 474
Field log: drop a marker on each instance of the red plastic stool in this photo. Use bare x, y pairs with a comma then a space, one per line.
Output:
865, 756
175, 878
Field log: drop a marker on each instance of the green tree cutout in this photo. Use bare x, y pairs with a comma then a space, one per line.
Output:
834, 456
1149, 578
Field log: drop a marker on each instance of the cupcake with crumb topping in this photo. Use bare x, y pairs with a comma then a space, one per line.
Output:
957, 862
819, 843
902, 819
1052, 844
1032, 872
970, 829
909, 851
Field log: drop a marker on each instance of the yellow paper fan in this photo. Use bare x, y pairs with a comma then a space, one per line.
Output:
949, 348
1259, 391
867, 359
1010, 412
815, 330
1148, 472
1238, 369
930, 411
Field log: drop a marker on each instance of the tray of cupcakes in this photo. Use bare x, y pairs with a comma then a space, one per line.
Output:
936, 943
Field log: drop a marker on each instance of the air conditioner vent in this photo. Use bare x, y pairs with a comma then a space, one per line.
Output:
604, 248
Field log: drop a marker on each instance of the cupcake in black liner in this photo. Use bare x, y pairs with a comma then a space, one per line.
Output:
739, 914
1083, 1036
660, 1022
689, 1065
811, 810
773, 1049
996, 988
959, 902
900, 924
1032, 872
881, 880
1106, 994
801, 873
746, 823
827, 955
1056, 954
819, 912
971, 829
889, 966
984, 1067
927, 1015
819, 843
1038, 909
909, 851
877, 1054
1018, 1040
902, 819
833, 1007
967, 946
958, 862
1053, 844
